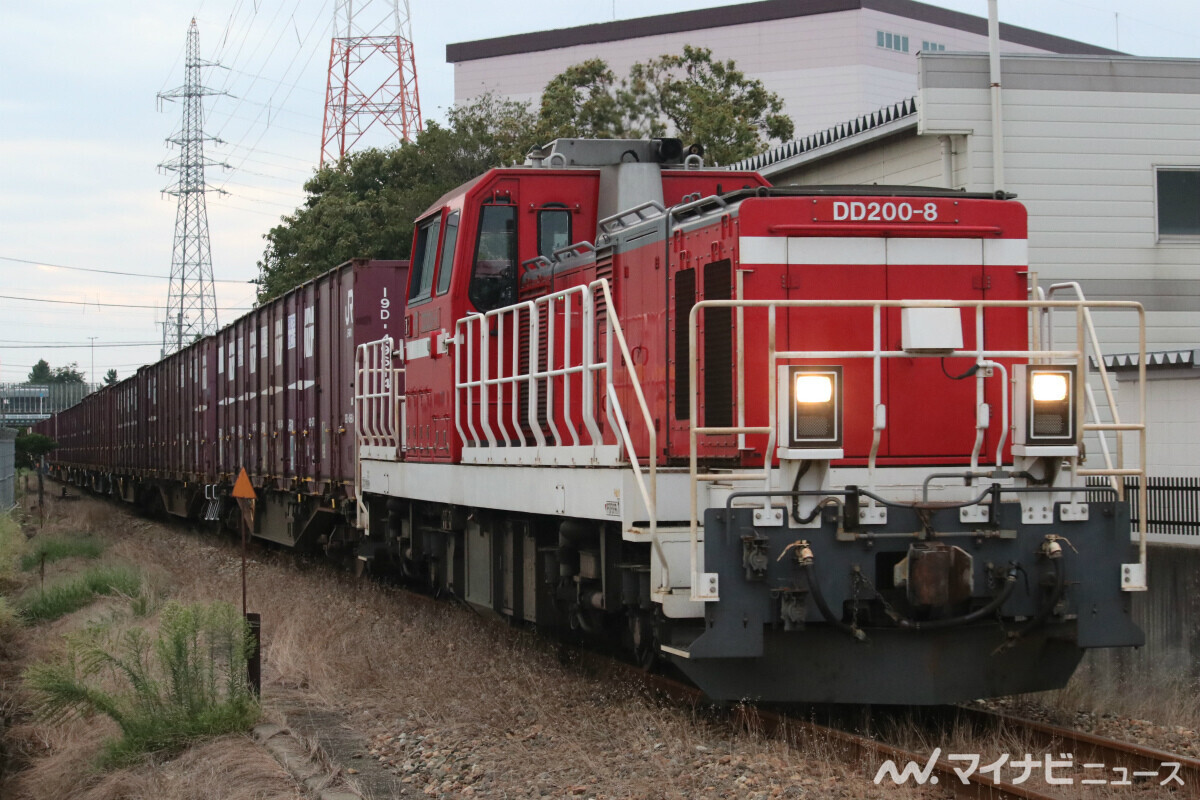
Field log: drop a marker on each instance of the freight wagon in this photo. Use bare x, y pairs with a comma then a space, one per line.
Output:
272, 393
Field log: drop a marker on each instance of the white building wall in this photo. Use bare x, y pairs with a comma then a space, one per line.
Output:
826, 67
1082, 158
1173, 443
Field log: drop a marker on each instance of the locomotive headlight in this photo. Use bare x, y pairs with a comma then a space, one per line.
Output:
1049, 387
813, 388
1049, 406
810, 411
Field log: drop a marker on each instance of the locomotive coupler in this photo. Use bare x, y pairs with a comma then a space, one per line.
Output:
935, 575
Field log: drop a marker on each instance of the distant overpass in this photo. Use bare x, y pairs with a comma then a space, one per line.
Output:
24, 404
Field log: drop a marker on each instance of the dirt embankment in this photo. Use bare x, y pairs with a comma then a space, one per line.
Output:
406, 698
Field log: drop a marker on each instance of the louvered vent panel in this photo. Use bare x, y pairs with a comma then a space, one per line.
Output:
718, 347
685, 298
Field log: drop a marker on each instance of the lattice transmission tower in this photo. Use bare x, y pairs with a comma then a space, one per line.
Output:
191, 301
372, 75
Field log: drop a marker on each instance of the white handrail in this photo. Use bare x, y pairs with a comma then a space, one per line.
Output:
554, 377
378, 406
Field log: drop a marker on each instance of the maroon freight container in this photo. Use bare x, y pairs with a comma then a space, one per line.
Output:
125, 419
273, 393
298, 396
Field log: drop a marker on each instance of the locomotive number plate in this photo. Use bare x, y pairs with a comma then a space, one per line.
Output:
880, 211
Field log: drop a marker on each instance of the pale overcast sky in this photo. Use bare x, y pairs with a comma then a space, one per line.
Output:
81, 136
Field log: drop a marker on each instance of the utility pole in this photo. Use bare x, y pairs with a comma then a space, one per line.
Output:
191, 301
372, 75
92, 372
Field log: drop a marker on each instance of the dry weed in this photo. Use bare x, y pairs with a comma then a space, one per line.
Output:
1168, 694
59, 757
231, 768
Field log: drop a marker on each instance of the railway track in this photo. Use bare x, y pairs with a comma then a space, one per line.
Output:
1082, 760
1100, 759
856, 750
950, 774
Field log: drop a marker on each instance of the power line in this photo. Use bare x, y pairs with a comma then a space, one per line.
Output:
105, 271
51, 346
291, 88
266, 60
75, 347
105, 305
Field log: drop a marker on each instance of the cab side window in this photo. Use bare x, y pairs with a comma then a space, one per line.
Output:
494, 273
554, 228
449, 240
424, 256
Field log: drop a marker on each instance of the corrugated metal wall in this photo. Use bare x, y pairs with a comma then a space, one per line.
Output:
8, 472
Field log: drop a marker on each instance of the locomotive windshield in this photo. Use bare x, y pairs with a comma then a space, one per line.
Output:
494, 275
424, 258
448, 247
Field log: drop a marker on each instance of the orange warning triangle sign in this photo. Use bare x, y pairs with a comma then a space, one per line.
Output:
242, 488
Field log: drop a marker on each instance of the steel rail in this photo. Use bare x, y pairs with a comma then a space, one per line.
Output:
851, 749
1089, 747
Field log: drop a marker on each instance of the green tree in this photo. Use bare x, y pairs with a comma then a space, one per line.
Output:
690, 95
705, 101
110, 377
67, 374
364, 206
582, 102
41, 373
30, 447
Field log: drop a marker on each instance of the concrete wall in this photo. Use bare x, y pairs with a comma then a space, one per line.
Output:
904, 158
1169, 613
8, 438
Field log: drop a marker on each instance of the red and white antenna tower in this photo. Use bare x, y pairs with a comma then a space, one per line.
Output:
372, 75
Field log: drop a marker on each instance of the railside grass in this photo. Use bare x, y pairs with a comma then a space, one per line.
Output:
12, 548
72, 594
48, 549
10, 622
164, 690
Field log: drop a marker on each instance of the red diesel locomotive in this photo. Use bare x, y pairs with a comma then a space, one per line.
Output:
813, 444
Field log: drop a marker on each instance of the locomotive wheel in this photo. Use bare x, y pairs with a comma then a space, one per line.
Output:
644, 640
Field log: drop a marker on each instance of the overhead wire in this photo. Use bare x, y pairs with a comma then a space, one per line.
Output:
90, 303
265, 61
106, 271
75, 346
288, 70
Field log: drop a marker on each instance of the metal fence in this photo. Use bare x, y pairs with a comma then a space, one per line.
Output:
1173, 514
8, 472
